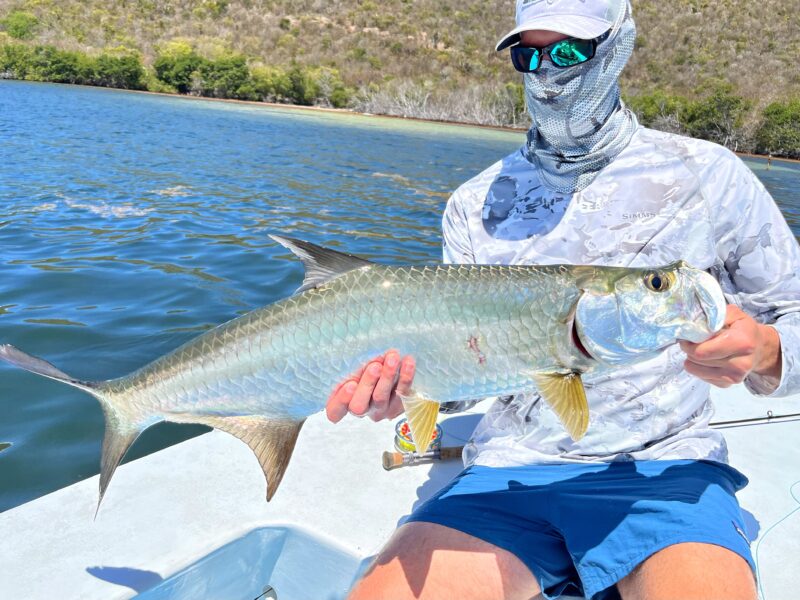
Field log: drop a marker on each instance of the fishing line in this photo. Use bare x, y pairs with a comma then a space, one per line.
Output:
767, 532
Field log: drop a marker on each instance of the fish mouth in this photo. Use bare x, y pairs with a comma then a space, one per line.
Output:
711, 302
713, 305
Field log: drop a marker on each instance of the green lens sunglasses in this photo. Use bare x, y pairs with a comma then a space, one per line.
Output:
563, 54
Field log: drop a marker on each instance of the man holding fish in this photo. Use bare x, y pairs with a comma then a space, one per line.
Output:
576, 264
643, 503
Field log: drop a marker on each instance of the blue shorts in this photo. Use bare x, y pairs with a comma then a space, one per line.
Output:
580, 528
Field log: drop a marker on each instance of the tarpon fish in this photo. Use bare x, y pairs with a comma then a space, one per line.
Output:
475, 331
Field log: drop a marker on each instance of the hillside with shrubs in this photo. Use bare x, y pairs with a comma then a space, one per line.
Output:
724, 70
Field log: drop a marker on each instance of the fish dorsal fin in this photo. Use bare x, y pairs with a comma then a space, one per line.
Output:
322, 264
566, 396
421, 413
271, 440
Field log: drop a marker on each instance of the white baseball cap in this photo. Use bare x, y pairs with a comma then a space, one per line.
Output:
583, 19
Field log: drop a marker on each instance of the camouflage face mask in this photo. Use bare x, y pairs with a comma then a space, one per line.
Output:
579, 122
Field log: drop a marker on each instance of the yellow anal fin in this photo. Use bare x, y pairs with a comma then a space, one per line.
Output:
421, 413
272, 441
566, 396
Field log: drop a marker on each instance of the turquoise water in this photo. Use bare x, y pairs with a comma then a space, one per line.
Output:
133, 222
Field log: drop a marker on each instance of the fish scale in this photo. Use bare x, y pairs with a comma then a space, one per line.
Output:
474, 330
436, 328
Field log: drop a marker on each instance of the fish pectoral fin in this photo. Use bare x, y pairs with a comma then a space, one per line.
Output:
271, 440
421, 413
566, 396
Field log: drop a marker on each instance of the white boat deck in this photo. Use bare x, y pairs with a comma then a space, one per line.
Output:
168, 510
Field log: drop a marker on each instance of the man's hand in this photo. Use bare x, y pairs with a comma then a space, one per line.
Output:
373, 390
742, 347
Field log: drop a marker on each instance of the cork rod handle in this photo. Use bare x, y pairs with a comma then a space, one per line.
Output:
394, 460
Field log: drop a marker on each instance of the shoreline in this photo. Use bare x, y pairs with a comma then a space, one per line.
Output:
347, 111
766, 157
323, 109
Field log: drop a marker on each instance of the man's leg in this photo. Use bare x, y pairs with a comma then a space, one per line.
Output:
429, 561
691, 571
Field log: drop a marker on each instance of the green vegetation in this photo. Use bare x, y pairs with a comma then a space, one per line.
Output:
779, 132
121, 69
701, 71
718, 115
176, 66
179, 70
20, 25
658, 108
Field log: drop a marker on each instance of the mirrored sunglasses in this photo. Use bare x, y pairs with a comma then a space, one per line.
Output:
563, 54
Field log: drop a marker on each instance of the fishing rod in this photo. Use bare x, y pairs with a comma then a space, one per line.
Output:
394, 460
769, 418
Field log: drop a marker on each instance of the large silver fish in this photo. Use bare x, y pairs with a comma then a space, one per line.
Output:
475, 331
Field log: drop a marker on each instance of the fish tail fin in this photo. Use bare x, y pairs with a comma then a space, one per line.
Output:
20, 359
123, 425
122, 429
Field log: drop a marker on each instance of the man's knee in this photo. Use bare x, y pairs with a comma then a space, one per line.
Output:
425, 560
691, 571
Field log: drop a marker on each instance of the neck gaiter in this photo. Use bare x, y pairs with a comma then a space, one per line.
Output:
579, 122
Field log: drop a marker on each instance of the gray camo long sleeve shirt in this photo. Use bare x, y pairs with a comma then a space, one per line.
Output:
664, 198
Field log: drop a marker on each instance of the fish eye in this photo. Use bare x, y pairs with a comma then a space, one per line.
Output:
657, 282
